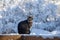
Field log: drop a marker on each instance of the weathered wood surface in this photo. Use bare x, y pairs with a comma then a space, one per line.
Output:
25, 38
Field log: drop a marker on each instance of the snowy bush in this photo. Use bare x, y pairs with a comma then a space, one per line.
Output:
44, 15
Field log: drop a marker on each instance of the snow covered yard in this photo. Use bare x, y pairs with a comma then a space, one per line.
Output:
46, 19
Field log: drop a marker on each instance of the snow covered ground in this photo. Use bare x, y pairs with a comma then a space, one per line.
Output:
46, 19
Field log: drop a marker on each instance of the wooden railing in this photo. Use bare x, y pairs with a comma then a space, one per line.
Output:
17, 37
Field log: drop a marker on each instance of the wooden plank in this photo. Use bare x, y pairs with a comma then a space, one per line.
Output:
17, 37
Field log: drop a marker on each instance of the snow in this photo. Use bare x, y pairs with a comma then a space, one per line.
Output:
39, 31
46, 22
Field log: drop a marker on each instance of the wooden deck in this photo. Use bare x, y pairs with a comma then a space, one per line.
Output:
17, 37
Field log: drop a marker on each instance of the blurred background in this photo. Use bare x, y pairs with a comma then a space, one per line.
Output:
46, 16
